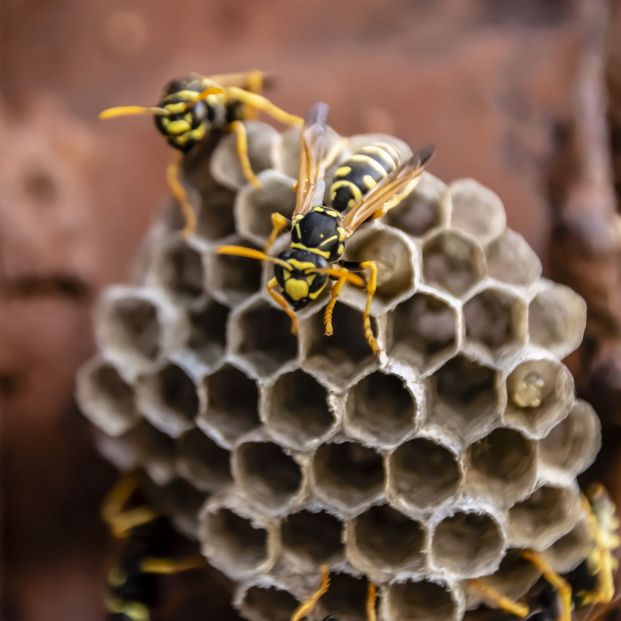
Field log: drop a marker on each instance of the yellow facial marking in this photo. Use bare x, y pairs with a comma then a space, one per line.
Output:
179, 126
301, 265
296, 289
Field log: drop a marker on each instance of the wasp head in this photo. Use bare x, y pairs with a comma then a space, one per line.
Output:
301, 283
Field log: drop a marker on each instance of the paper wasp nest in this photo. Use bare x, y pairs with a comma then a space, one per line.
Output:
282, 453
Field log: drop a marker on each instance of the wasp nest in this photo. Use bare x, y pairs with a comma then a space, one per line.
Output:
418, 470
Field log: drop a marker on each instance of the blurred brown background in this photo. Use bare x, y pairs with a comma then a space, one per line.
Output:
525, 96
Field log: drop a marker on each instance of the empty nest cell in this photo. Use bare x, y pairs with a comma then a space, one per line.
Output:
207, 333
423, 331
423, 474
380, 409
266, 475
502, 466
215, 218
540, 393
262, 336
345, 598
232, 404
384, 540
311, 539
467, 543
267, 603
452, 262
296, 410
179, 270
420, 601
571, 549
347, 475
511, 260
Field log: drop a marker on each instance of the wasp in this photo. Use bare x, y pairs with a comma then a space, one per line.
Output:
319, 233
132, 592
192, 106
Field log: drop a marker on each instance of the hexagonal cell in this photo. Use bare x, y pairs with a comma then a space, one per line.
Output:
345, 598
423, 474
573, 444
215, 217
540, 393
261, 334
310, 539
233, 279
339, 358
382, 541
423, 210
395, 258
503, 466
224, 164
548, 514
254, 206
202, 462
380, 409
169, 399
267, 603
467, 543
420, 601
510, 259
476, 210
266, 475
106, 398
465, 398
348, 475
179, 270
452, 262
296, 411
423, 331
556, 319
234, 544
232, 405
207, 336
496, 320
571, 549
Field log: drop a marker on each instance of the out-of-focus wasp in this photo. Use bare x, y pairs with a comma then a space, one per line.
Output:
191, 106
132, 582
589, 587
319, 233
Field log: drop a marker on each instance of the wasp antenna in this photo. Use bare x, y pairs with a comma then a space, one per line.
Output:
251, 253
111, 113
424, 154
210, 90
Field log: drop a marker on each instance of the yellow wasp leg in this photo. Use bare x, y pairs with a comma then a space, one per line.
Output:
279, 224
560, 585
306, 607
370, 603
493, 596
343, 275
173, 179
264, 105
241, 144
366, 318
280, 300
171, 566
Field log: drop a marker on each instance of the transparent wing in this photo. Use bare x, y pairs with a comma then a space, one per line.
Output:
390, 191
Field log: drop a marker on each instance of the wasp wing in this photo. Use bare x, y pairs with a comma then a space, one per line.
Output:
389, 192
313, 144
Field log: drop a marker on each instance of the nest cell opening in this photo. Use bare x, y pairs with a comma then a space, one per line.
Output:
465, 397
180, 271
234, 544
420, 601
232, 403
511, 260
468, 544
571, 549
424, 331
215, 218
345, 598
312, 538
265, 338
380, 406
348, 474
207, 337
266, 474
540, 393
494, 319
268, 604
423, 473
153, 449
202, 462
233, 279
503, 465
452, 262
388, 539
297, 409
181, 501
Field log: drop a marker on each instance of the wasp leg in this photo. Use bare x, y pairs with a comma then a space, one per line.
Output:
370, 603
342, 275
560, 585
493, 596
174, 183
279, 224
280, 300
264, 105
306, 607
252, 81
152, 565
241, 143
366, 318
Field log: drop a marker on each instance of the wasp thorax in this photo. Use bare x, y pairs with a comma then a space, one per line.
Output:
301, 283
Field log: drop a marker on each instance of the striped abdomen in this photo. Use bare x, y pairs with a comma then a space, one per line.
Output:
360, 172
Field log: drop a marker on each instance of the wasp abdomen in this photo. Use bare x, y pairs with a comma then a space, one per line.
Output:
360, 172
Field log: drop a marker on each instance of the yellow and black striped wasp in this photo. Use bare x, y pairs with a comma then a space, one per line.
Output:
192, 106
319, 233
132, 589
